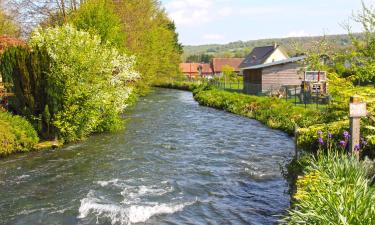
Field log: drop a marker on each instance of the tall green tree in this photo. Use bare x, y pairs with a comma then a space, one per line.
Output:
98, 17
150, 35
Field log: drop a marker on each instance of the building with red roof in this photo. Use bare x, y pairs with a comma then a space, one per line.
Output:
196, 70
219, 63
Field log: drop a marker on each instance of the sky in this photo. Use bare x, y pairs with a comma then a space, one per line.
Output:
223, 21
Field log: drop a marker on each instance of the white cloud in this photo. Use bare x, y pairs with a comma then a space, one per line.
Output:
200, 12
298, 33
226, 11
190, 12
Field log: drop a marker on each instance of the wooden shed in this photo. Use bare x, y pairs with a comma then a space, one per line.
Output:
272, 76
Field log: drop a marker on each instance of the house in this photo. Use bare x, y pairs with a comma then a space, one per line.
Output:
196, 70
269, 68
218, 64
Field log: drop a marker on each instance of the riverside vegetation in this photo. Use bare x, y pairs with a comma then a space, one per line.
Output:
82, 67
329, 184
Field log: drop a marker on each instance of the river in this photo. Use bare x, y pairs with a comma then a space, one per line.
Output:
175, 163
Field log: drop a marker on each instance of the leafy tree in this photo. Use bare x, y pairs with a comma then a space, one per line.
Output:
7, 26
363, 54
88, 84
151, 37
229, 74
318, 55
205, 58
98, 17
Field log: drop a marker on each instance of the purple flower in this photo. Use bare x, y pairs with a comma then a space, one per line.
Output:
356, 148
320, 133
321, 141
346, 134
363, 142
330, 135
342, 143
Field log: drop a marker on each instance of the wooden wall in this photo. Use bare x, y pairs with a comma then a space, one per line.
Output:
252, 81
285, 74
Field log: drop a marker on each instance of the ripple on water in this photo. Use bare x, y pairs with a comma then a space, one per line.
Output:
175, 163
100, 210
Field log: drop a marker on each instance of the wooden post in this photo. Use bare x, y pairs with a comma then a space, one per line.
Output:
296, 134
357, 110
316, 100
286, 94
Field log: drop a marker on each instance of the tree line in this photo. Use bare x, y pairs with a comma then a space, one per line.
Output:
138, 27
86, 61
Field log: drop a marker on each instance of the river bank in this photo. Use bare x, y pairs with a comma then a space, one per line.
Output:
278, 114
314, 177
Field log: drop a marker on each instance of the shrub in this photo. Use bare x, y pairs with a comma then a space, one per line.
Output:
17, 134
333, 190
25, 70
273, 112
88, 84
180, 85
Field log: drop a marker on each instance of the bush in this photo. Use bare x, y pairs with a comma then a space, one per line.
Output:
88, 84
25, 70
273, 112
333, 190
179, 85
17, 134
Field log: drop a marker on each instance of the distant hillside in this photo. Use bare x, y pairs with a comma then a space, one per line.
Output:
242, 48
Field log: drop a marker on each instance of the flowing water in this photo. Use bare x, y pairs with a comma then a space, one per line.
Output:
176, 163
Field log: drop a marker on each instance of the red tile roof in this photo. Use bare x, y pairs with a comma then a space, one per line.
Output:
6, 42
193, 67
218, 63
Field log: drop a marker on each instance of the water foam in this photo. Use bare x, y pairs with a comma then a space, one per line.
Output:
91, 205
138, 214
106, 183
130, 194
125, 213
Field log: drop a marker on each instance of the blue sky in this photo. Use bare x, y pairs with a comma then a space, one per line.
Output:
223, 21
